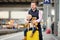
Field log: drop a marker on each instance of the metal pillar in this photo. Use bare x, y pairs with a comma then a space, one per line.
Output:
9, 14
56, 6
59, 21
47, 11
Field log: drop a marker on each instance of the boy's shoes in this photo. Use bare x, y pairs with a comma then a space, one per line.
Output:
24, 38
31, 35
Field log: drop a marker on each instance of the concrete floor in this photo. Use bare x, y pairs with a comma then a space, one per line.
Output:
19, 36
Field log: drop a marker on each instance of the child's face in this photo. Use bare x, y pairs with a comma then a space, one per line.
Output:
29, 17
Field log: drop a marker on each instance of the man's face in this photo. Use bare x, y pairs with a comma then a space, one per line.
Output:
33, 6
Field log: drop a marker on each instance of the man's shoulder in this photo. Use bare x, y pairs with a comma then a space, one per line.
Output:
29, 9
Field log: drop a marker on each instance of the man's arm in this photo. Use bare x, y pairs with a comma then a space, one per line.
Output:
40, 17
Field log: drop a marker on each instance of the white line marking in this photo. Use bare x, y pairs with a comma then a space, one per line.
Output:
12, 36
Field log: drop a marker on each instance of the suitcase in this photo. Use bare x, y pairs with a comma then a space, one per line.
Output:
35, 36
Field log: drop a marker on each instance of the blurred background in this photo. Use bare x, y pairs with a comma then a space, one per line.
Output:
13, 13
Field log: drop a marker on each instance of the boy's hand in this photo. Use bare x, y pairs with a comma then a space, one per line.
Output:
34, 21
24, 38
26, 22
31, 35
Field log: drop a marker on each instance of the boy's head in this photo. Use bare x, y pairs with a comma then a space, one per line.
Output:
29, 17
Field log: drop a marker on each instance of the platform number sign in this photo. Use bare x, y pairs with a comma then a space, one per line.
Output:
47, 1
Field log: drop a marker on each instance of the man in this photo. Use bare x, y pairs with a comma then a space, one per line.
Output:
36, 13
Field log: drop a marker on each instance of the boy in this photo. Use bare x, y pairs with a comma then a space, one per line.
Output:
30, 25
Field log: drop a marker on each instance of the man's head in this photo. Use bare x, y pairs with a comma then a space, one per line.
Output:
33, 5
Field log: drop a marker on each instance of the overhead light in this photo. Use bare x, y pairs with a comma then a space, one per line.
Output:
52, 12
40, 3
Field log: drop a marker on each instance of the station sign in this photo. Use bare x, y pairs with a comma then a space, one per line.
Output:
47, 1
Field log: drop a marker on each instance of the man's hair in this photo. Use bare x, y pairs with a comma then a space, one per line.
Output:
34, 2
